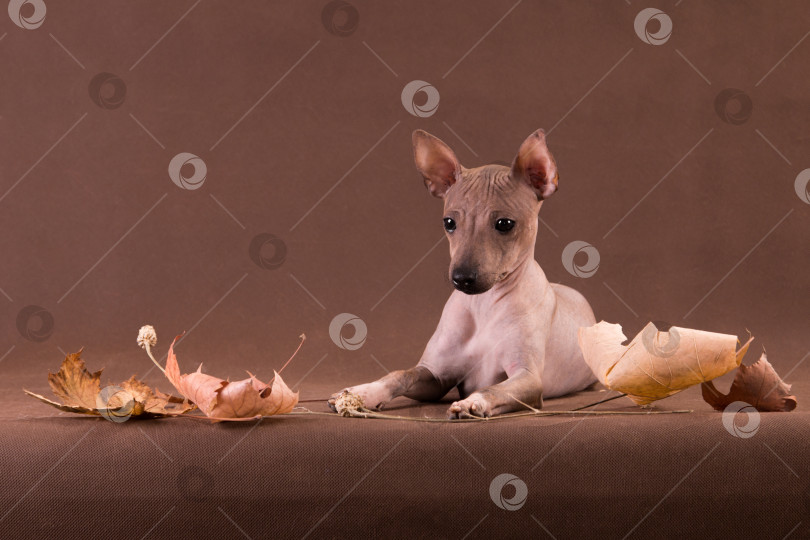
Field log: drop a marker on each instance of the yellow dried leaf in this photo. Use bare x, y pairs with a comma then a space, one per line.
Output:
73, 384
80, 392
657, 364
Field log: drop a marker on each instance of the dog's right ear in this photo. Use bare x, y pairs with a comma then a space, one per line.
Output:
436, 162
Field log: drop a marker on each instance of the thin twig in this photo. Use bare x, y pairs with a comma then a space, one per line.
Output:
366, 413
303, 338
600, 402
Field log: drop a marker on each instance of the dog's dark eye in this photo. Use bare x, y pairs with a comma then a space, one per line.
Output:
504, 225
449, 224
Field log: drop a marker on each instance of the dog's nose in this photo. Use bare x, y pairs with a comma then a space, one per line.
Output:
464, 280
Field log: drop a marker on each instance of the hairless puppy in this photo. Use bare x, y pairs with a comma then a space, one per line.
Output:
507, 337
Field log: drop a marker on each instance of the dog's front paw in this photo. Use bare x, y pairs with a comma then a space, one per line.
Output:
475, 406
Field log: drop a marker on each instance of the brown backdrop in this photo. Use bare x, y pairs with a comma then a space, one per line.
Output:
680, 164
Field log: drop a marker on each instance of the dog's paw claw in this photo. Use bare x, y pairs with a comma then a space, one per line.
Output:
469, 408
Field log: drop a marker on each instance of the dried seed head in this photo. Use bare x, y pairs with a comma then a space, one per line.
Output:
347, 402
147, 336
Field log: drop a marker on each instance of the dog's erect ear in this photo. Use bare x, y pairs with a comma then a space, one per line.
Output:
436, 162
535, 165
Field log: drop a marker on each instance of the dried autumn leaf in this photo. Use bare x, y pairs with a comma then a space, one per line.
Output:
73, 384
80, 392
154, 402
657, 364
225, 400
758, 385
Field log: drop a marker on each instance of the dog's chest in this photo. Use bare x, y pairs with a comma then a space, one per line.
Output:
484, 357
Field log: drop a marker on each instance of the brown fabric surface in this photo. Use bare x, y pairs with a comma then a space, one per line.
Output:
591, 478
688, 194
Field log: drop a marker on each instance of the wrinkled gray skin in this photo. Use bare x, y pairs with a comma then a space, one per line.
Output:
507, 337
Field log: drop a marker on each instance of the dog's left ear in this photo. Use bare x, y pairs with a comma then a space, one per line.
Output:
535, 165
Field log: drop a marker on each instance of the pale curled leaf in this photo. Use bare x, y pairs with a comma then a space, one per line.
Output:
657, 364
225, 400
758, 385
